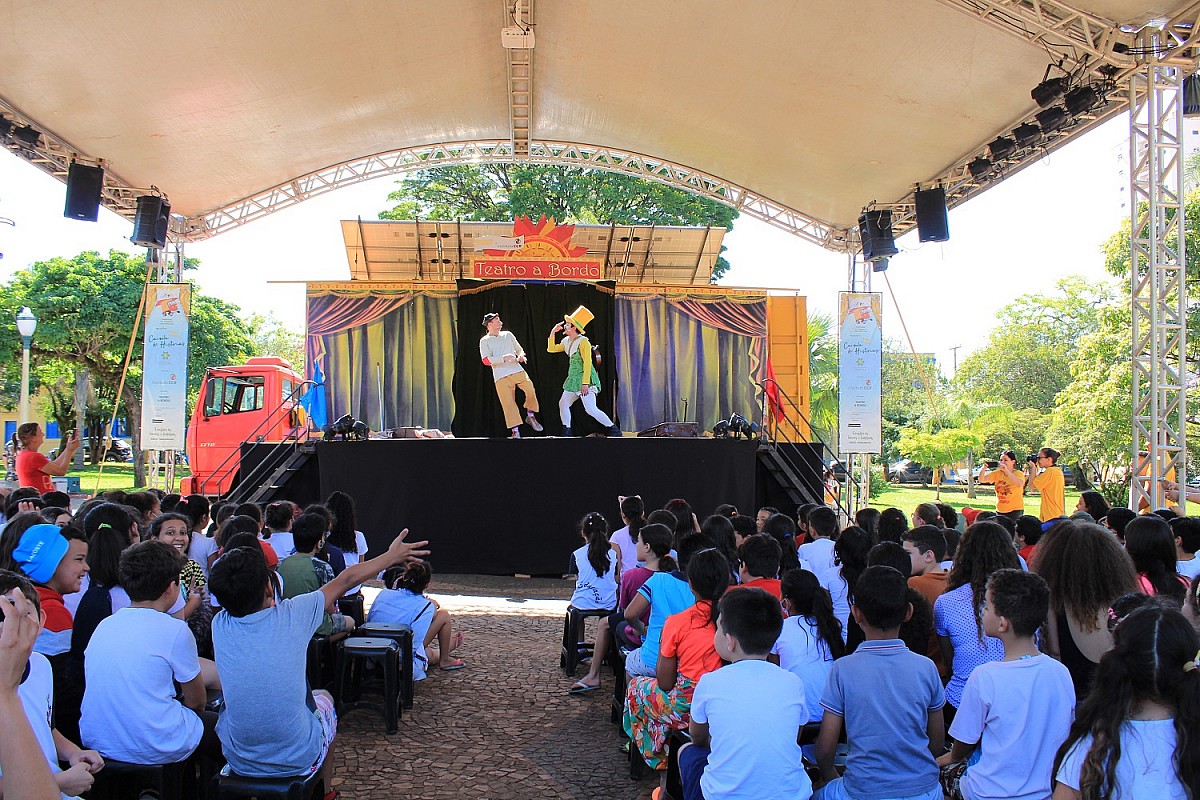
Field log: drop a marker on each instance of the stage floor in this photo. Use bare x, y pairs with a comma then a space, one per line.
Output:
510, 506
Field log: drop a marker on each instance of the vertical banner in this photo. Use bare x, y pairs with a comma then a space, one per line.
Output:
860, 372
164, 366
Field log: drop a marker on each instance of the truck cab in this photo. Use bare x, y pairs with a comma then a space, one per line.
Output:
258, 401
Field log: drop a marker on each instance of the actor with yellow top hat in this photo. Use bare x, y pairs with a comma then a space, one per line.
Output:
581, 382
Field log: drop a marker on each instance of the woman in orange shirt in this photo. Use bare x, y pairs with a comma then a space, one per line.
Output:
1009, 482
33, 468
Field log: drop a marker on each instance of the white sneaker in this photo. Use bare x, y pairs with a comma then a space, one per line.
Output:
515, 433
533, 421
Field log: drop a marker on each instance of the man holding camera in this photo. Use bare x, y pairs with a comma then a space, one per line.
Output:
1049, 481
1009, 482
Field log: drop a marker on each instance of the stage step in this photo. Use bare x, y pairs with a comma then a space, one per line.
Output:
786, 473
278, 479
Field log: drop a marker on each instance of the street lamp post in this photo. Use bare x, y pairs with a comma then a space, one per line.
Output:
26, 325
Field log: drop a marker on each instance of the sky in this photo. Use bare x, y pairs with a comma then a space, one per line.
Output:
1044, 223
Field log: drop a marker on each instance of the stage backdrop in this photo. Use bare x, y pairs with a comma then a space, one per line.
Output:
402, 333
659, 347
529, 310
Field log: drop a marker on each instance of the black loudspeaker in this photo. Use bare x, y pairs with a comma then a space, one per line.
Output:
84, 184
875, 230
932, 223
150, 221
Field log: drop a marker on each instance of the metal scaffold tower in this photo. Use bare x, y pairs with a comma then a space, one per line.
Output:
1157, 269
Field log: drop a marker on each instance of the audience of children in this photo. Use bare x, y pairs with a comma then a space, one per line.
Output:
664, 593
344, 533
759, 557
304, 572
277, 526
1151, 545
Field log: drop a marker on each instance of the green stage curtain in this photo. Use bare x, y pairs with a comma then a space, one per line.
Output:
665, 354
413, 347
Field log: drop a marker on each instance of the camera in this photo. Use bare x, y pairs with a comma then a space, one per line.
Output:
992, 464
1031, 458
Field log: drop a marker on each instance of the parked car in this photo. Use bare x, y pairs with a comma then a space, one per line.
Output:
119, 451
906, 471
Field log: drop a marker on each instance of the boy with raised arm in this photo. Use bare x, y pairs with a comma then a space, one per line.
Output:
278, 728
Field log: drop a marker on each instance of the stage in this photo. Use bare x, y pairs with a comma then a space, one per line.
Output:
507, 507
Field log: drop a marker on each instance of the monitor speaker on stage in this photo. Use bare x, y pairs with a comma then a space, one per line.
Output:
932, 223
150, 221
84, 184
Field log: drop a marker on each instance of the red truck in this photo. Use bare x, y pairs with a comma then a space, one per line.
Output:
256, 402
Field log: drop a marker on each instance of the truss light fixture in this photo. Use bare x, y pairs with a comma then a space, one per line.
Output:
879, 265
6, 126
1049, 91
1081, 100
26, 135
979, 168
1026, 134
1052, 119
1001, 148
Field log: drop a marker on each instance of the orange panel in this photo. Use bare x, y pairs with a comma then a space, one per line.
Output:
787, 345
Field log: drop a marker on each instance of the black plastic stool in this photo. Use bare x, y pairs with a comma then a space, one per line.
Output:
236, 787
120, 780
402, 635
353, 606
572, 642
353, 655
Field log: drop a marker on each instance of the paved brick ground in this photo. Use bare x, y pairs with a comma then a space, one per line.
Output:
504, 727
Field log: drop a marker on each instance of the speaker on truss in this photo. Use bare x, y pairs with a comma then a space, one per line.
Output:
84, 184
932, 222
150, 221
875, 230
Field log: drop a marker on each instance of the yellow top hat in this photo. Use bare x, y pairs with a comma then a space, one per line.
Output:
580, 318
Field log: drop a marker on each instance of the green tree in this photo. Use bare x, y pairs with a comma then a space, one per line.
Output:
491, 192
823, 378
272, 337
941, 449
86, 307
905, 397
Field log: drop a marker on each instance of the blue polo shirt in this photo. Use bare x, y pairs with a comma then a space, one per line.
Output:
885, 692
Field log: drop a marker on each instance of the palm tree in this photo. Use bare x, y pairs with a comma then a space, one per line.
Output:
823, 378
1191, 172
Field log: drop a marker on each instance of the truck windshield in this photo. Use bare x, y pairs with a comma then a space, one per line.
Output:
233, 394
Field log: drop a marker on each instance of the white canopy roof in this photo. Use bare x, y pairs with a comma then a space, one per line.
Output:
797, 112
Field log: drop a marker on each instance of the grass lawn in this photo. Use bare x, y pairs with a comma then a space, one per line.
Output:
908, 496
116, 476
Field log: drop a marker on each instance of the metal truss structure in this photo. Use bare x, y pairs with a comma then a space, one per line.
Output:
1157, 268
520, 80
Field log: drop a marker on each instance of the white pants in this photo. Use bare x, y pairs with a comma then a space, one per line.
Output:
589, 405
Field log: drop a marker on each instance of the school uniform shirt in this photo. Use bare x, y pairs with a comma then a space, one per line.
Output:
594, 591
283, 542
1018, 712
884, 693
55, 636
623, 540
668, 593
1188, 569
805, 654
268, 728
129, 708
1146, 768
200, 549
954, 617
839, 592
772, 586
688, 637
753, 710
403, 607
818, 553
357, 556
36, 692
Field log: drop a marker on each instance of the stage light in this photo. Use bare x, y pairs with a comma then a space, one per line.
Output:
879, 265
721, 429
1049, 91
6, 126
1191, 95
1052, 119
1001, 148
1081, 100
26, 135
979, 168
1026, 134
875, 232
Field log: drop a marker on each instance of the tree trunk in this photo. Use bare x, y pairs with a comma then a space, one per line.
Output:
971, 475
80, 406
133, 418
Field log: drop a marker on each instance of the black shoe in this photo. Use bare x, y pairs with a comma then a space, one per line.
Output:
615, 430
567, 431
